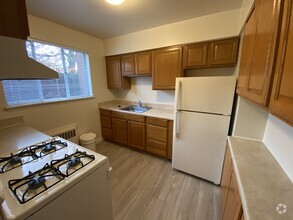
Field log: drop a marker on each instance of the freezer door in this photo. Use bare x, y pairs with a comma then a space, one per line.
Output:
199, 144
205, 94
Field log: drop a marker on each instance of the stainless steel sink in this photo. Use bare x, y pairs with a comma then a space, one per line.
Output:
135, 108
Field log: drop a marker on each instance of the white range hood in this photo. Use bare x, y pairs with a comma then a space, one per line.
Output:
15, 63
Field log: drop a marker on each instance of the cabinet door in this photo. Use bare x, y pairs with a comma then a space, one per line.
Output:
128, 64
247, 45
143, 63
233, 208
282, 94
13, 19
167, 65
195, 55
114, 76
227, 168
223, 52
119, 129
263, 48
136, 135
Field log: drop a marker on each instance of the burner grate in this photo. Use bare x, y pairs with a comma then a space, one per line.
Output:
72, 163
29, 154
35, 183
16, 160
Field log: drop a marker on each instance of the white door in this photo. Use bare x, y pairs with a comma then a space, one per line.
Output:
205, 94
199, 144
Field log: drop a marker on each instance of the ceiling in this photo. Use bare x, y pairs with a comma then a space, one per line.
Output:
98, 18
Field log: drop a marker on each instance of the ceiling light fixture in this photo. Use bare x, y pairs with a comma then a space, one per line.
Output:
115, 2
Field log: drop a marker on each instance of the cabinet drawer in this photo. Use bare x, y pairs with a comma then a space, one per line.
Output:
105, 112
107, 133
118, 115
157, 121
156, 147
138, 118
131, 117
106, 121
157, 133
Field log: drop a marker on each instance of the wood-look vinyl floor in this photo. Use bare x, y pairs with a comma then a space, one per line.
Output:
146, 187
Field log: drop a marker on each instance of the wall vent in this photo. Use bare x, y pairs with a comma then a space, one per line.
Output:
67, 132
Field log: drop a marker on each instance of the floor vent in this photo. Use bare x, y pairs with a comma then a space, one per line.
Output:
67, 132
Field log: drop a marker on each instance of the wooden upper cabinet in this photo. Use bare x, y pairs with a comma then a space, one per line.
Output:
115, 80
128, 64
247, 45
167, 65
223, 52
195, 55
281, 103
143, 63
13, 19
258, 56
136, 64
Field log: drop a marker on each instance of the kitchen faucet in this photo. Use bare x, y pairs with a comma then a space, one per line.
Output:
139, 103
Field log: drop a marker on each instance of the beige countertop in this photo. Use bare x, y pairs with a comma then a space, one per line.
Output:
262, 183
165, 111
17, 137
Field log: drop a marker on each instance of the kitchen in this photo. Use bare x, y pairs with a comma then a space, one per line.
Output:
251, 121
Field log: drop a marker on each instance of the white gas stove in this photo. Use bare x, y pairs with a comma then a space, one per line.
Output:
55, 179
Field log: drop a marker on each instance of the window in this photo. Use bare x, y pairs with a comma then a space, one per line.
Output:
74, 77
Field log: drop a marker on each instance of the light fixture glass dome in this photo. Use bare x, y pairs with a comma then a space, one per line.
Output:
115, 2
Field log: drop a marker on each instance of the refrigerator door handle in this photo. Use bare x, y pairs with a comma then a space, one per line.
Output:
178, 94
178, 123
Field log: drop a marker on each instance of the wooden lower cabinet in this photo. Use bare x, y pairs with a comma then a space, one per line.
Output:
227, 168
231, 208
106, 124
156, 147
153, 135
136, 135
170, 140
119, 127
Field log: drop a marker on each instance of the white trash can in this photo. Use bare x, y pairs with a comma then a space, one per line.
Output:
88, 140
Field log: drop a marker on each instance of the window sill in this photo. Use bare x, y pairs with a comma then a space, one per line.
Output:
18, 107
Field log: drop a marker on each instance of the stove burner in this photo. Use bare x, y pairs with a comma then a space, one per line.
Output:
24, 156
74, 161
15, 160
37, 182
49, 147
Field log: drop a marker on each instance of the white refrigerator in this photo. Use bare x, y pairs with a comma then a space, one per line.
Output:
203, 107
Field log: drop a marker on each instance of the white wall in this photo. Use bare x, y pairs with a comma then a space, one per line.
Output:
279, 140
208, 27
244, 11
84, 112
250, 120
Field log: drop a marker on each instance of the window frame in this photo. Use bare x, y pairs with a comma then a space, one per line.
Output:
56, 100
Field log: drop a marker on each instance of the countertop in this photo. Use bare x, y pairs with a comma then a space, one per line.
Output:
164, 111
17, 137
262, 183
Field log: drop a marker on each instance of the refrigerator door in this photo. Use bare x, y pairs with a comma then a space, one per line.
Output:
205, 94
199, 144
